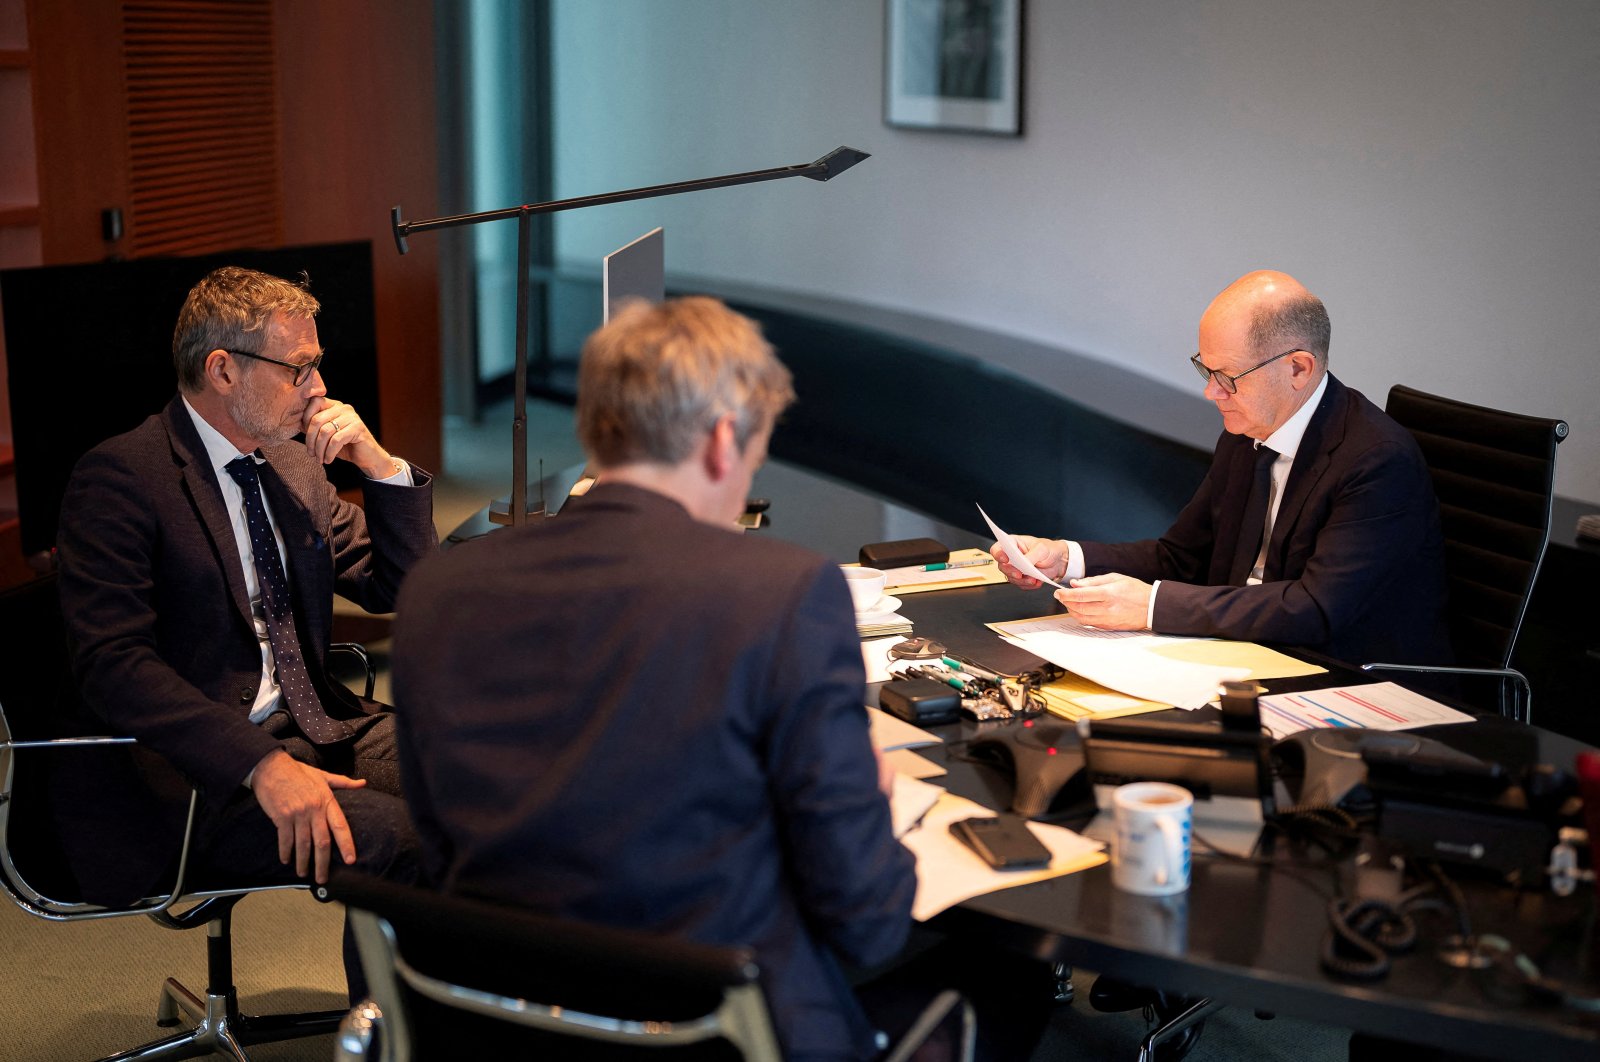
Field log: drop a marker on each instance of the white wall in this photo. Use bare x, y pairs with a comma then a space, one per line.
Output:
1430, 168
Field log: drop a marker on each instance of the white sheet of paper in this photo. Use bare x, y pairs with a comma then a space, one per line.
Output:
890, 733
1128, 667
1014, 553
912, 765
875, 656
1068, 624
1378, 705
949, 872
910, 802
901, 577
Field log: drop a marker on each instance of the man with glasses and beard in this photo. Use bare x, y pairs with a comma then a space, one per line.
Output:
199, 556
1315, 527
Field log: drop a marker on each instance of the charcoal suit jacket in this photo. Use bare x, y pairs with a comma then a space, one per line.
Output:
164, 647
630, 717
1355, 566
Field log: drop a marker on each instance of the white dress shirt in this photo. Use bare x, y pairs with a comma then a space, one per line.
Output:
1286, 441
221, 452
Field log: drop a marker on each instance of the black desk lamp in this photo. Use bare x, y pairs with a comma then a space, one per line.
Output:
826, 168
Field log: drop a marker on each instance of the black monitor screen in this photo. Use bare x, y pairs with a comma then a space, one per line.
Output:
89, 352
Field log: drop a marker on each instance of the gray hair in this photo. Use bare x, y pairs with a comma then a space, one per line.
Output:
229, 310
655, 377
1294, 321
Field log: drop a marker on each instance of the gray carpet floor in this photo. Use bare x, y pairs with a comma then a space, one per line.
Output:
69, 993
74, 992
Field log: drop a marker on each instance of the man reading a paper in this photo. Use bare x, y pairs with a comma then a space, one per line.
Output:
1316, 525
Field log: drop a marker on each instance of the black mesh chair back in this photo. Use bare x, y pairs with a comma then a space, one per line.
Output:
1494, 474
454, 977
449, 974
36, 705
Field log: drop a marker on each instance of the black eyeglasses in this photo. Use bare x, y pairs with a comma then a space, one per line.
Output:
1230, 384
302, 373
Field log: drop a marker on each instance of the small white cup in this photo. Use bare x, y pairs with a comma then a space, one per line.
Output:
1150, 853
866, 586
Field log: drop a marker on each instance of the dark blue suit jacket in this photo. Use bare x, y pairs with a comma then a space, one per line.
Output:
1355, 568
630, 717
164, 647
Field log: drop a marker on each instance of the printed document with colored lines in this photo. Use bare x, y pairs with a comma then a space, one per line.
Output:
1378, 706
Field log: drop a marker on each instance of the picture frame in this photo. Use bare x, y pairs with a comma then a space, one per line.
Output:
953, 65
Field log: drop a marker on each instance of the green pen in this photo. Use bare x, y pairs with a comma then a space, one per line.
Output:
957, 564
971, 669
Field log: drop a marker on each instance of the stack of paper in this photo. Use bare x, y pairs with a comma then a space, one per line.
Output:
1376, 705
881, 624
1124, 661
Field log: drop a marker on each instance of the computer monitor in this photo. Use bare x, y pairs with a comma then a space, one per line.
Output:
636, 270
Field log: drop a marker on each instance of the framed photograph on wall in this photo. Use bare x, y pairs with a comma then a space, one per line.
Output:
954, 64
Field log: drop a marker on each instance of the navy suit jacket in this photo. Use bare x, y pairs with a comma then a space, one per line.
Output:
627, 716
1355, 568
164, 647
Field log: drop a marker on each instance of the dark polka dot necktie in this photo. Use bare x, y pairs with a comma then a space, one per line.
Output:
298, 694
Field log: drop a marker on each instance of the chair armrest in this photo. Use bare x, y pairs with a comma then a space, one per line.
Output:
1519, 709
359, 651
37, 903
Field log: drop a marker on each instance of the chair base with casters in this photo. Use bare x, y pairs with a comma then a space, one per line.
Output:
34, 869
1177, 1021
1168, 1040
586, 988
218, 1025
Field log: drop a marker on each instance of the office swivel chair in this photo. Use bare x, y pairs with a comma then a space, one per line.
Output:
1494, 474
451, 976
34, 871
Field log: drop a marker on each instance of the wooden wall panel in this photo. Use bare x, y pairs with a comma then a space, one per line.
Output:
356, 89
80, 124
355, 127
202, 133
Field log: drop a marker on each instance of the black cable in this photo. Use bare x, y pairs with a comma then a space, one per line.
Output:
1296, 873
1363, 934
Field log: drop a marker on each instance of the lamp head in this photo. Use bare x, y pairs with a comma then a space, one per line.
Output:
836, 162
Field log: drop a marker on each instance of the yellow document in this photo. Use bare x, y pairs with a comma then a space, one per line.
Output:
1263, 663
913, 580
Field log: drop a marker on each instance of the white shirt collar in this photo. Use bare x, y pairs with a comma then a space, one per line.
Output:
1286, 440
218, 448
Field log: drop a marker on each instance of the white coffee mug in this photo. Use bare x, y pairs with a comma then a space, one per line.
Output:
866, 586
1150, 854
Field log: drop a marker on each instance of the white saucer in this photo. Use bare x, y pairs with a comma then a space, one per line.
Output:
880, 611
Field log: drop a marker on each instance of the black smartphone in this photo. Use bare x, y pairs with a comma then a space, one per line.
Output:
1003, 841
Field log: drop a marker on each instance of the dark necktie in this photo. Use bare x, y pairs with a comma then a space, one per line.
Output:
1254, 523
293, 680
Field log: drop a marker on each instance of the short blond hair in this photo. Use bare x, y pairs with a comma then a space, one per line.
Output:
656, 377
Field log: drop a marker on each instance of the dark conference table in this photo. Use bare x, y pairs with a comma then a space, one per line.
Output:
1249, 933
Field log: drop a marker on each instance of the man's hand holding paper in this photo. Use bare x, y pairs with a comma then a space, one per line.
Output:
1025, 560
1110, 602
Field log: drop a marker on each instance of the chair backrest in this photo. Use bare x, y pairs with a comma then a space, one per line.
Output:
34, 682
449, 971
1494, 474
